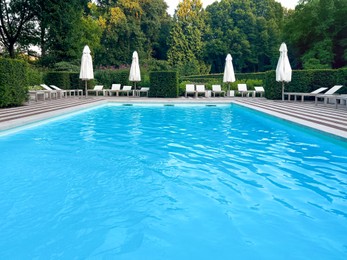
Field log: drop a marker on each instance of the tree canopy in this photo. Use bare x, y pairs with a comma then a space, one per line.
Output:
193, 41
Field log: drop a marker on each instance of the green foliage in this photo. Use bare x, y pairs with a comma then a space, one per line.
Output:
131, 25
61, 30
13, 82
109, 77
163, 84
59, 79
186, 38
156, 65
34, 76
305, 81
317, 33
66, 66
247, 29
76, 83
16, 23
218, 78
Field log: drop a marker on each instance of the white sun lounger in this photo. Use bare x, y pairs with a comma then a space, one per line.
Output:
303, 95
200, 89
96, 89
126, 89
217, 89
61, 92
79, 92
242, 88
190, 89
115, 88
260, 90
142, 90
50, 92
328, 95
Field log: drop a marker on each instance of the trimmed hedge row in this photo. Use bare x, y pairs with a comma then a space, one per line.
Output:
302, 80
305, 81
163, 84
219, 77
65, 80
109, 77
13, 82
60, 79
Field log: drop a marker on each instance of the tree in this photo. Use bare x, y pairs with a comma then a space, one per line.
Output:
249, 30
61, 29
186, 37
16, 18
318, 33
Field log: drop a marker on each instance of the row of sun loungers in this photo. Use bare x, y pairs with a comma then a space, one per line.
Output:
53, 92
328, 97
191, 89
117, 89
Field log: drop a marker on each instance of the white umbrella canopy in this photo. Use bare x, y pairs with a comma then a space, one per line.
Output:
135, 74
86, 72
283, 70
229, 74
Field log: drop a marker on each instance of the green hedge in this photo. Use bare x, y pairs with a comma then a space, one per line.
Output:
305, 81
13, 82
163, 84
77, 83
302, 81
218, 78
34, 76
66, 80
109, 77
58, 78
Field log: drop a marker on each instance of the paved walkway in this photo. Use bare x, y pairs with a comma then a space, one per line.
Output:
327, 119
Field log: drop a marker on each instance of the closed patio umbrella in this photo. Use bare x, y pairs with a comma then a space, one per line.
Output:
283, 70
86, 72
135, 74
229, 74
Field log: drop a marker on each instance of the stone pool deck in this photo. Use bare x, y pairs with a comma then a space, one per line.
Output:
324, 118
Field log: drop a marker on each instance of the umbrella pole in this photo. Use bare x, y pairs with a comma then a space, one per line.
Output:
228, 94
282, 90
86, 86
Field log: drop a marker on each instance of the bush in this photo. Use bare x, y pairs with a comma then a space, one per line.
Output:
302, 81
60, 79
77, 83
66, 66
305, 81
163, 84
34, 76
108, 77
13, 82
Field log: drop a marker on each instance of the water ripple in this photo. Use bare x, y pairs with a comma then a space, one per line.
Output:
172, 183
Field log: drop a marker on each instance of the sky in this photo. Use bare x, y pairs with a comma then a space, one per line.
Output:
173, 4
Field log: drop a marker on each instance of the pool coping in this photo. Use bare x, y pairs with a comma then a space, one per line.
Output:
29, 120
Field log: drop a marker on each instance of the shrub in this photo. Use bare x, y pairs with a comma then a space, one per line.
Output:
13, 82
302, 81
60, 79
305, 81
66, 66
108, 77
163, 84
34, 76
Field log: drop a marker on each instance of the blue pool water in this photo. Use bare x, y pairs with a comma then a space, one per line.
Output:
194, 182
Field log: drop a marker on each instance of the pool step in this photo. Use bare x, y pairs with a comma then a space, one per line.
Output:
8, 114
327, 116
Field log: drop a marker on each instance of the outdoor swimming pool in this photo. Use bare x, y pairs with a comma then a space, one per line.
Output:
172, 182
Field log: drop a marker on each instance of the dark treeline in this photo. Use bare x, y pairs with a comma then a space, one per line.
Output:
193, 41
